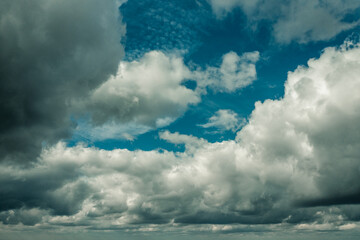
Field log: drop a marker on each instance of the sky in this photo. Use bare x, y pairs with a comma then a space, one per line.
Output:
181, 119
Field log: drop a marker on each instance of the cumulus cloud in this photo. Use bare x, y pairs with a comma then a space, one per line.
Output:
191, 143
234, 73
300, 21
150, 93
316, 125
225, 120
143, 91
296, 163
51, 52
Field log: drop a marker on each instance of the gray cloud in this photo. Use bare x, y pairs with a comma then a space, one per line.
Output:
300, 21
51, 52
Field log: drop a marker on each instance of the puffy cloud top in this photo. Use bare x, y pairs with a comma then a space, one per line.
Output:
144, 91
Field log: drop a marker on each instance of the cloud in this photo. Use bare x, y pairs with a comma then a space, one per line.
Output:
87, 132
234, 73
191, 143
150, 93
27, 217
315, 124
224, 120
294, 165
143, 91
222, 7
300, 21
52, 52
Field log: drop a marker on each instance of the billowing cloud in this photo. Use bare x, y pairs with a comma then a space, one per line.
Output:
225, 120
295, 20
51, 52
143, 91
295, 164
150, 92
315, 125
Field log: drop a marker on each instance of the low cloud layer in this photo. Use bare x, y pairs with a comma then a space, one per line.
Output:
51, 52
296, 20
295, 164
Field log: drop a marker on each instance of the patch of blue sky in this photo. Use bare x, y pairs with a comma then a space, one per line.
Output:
164, 25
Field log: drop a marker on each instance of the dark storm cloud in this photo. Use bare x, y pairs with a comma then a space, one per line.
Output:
51, 52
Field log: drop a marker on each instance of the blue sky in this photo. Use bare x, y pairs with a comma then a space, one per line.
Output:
180, 119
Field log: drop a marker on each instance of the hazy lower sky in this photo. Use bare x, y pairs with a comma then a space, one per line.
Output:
181, 119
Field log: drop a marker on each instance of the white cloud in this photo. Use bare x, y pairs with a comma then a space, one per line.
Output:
295, 20
315, 126
225, 120
143, 95
144, 91
149, 93
191, 143
234, 73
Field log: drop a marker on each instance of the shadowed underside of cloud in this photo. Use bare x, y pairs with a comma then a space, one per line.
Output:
296, 162
296, 20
